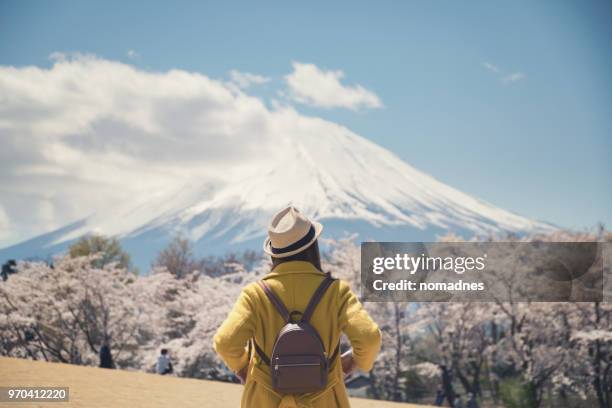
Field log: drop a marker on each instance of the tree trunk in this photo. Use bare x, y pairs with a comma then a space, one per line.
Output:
598, 384
397, 395
447, 386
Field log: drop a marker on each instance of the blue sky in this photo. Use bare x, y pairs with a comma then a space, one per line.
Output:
510, 102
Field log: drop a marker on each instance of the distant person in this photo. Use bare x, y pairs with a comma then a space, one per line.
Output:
313, 309
8, 268
458, 402
439, 397
472, 403
106, 358
164, 365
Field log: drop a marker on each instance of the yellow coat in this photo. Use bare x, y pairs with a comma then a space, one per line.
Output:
254, 316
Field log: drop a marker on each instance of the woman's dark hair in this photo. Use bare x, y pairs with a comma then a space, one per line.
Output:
310, 254
164, 351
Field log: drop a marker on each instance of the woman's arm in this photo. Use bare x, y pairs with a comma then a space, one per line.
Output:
363, 333
231, 338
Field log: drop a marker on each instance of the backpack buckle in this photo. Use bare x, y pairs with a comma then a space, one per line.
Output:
295, 312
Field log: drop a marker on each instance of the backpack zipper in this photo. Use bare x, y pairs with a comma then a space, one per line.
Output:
296, 365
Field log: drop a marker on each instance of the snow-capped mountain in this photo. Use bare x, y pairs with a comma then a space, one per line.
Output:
349, 183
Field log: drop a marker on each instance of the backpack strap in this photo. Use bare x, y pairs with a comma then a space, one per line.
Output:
312, 305
316, 297
261, 353
278, 304
334, 355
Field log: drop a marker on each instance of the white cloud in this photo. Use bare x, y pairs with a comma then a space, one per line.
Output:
310, 85
87, 134
246, 79
132, 54
5, 225
490, 67
514, 77
504, 77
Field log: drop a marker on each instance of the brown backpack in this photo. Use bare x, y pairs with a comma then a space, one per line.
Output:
299, 362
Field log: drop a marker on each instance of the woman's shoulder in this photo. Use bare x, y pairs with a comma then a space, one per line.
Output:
251, 289
249, 295
343, 287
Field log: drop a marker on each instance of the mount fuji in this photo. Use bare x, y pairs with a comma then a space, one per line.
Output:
343, 180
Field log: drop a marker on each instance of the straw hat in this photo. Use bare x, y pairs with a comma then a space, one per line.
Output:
290, 233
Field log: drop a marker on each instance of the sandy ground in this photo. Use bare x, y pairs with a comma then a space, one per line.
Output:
96, 387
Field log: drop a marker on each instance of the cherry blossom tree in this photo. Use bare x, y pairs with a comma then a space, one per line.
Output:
65, 312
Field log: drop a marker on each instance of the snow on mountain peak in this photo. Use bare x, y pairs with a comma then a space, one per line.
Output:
336, 176
341, 176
